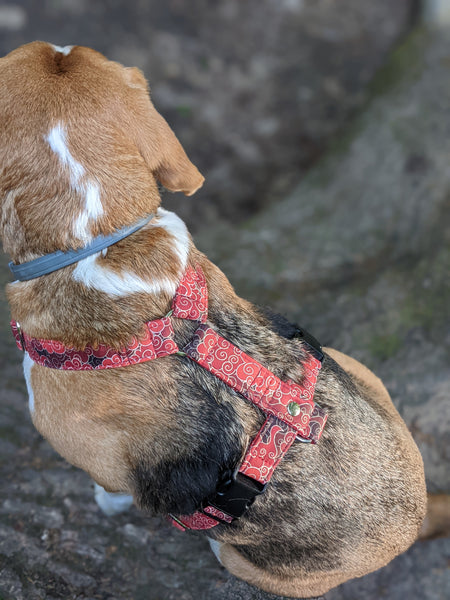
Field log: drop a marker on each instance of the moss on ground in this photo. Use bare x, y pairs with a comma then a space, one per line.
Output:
404, 65
385, 346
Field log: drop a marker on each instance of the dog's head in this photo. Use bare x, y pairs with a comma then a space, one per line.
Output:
79, 136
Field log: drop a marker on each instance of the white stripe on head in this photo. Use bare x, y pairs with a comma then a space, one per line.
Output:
63, 49
57, 140
89, 190
27, 366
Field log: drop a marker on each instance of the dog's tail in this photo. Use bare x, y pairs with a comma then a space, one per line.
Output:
437, 519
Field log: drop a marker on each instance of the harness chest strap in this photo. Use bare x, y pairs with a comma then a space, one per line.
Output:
289, 407
190, 302
277, 399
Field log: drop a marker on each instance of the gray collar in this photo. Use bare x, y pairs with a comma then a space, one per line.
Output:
59, 259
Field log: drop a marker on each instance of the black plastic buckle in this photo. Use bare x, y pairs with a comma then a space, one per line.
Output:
311, 341
235, 495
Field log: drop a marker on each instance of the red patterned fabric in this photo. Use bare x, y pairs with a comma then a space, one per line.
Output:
200, 520
267, 449
317, 423
211, 510
196, 521
191, 298
227, 362
263, 388
190, 302
55, 355
259, 385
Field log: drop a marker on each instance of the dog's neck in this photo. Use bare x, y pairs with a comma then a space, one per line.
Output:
49, 263
82, 304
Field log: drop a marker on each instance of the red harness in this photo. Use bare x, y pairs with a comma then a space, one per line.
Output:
289, 407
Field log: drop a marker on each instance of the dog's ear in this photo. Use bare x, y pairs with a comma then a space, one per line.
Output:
159, 146
175, 171
135, 78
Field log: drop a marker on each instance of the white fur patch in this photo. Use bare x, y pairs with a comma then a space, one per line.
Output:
27, 366
112, 504
88, 190
93, 275
63, 49
93, 209
215, 547
100, 278
57, 140
178, 230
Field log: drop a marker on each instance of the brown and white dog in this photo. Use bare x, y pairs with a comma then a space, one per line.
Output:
82, 150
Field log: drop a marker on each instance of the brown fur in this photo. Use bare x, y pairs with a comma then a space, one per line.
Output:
165, 430
315, 584
437, 520
120, 138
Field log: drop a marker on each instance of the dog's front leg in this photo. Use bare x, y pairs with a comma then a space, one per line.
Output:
112, 503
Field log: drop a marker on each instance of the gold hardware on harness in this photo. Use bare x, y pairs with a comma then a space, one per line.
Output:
293, 409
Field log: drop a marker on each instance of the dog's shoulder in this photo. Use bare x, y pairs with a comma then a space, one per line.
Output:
202, 447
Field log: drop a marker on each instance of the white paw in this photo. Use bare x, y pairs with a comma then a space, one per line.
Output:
215, 547
112, 504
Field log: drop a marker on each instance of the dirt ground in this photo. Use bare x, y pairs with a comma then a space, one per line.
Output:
337, 221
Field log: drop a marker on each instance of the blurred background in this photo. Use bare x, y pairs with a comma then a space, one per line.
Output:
323, 130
